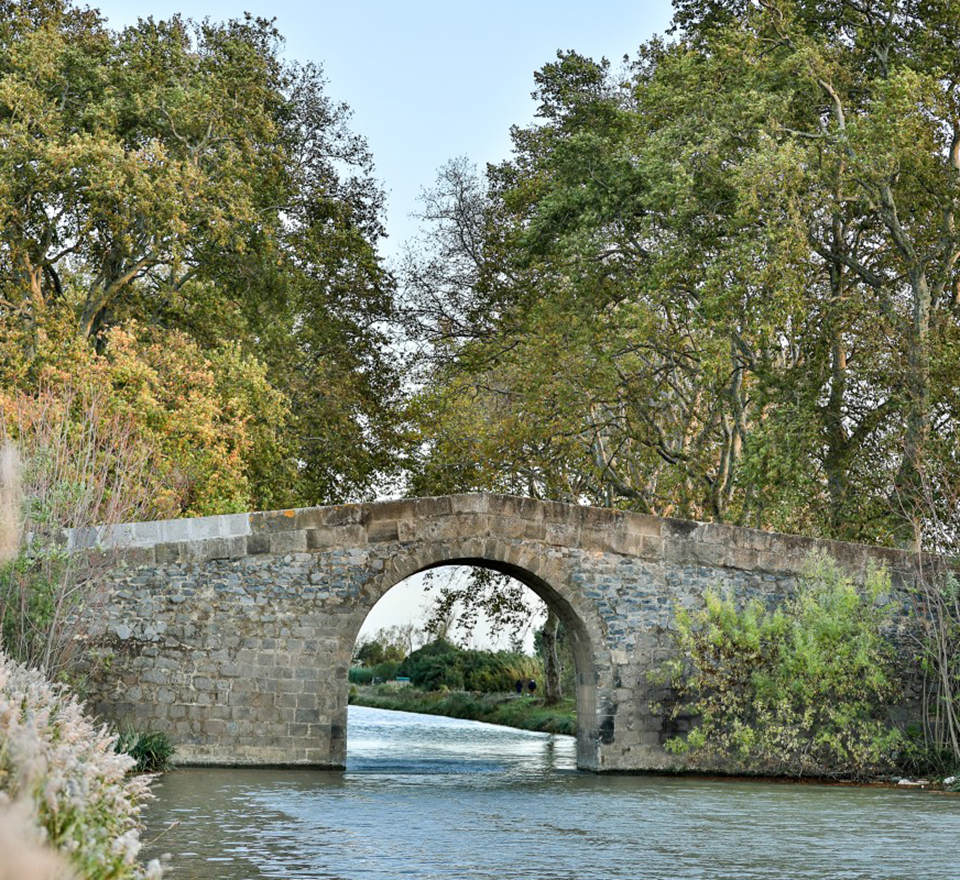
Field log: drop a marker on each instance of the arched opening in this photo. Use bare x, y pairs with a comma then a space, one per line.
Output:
574, 630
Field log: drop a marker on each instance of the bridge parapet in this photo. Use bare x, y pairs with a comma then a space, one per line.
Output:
675, 541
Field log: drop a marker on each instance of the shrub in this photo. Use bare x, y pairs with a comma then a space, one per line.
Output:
804, 689
386, 671
442, 665
66, 773
152, 751
360, 675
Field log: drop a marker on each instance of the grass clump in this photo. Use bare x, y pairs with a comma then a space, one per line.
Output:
152, 751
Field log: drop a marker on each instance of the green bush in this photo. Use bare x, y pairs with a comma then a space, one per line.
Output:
441, 665
153, 752
386, 671
804, 689
360, 675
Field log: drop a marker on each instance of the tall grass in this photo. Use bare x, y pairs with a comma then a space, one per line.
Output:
61, 777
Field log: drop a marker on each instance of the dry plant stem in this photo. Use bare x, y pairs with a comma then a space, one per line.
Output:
938, 610
10, 501
82, 470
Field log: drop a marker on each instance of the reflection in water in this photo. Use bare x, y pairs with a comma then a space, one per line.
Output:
427, 797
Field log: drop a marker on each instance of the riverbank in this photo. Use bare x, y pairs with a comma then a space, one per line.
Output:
510, 710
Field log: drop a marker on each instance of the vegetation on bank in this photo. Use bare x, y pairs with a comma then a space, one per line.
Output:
441, 665
510, 710
817, 686
445, 679
152, 751
803, 689
65, 785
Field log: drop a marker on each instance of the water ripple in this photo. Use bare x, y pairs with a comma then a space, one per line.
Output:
441, 799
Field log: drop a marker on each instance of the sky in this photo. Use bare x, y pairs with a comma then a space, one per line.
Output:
429, 81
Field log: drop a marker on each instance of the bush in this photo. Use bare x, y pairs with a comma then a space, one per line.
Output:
152, 752
360, 675
441, 665
801, 690
386, 671
65, 773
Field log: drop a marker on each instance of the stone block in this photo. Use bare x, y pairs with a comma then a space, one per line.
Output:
270, 522
167, 553
403, 508
342, 515
138, 557
209, 549
524, 508
313, 517
383, 530
678, 551
288, 542
533, 531
478, 502
258, 544
325, 537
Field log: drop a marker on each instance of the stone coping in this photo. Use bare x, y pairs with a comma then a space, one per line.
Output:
451, 517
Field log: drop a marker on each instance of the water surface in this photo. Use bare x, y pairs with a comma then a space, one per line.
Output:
429, 797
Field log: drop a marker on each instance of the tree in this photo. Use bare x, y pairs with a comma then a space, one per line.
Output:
719, 286
183, 178
936, 610
509, 605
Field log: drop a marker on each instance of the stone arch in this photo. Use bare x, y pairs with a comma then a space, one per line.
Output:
542, 572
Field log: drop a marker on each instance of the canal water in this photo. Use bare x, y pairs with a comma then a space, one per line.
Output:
438, 798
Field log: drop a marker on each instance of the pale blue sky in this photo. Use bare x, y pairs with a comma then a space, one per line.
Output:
429, 81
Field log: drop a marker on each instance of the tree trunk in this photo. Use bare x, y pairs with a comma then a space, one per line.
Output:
835, 460
909, 483
551, 661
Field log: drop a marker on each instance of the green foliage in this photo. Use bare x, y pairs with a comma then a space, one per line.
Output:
360, 675
719, 285
804, 689
441, 665
921, 759
494, 708
387, 670
384, 671
152, 751
374, 653
197, 227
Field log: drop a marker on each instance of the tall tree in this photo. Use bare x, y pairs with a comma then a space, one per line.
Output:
185, 177
723, 284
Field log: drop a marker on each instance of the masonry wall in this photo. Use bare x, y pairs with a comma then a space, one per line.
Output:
234, 634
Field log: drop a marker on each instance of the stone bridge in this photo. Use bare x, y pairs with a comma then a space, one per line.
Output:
235, 633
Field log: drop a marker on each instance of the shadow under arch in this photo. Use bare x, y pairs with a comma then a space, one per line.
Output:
548, 583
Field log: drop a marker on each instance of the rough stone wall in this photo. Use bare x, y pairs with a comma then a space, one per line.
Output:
234, 634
